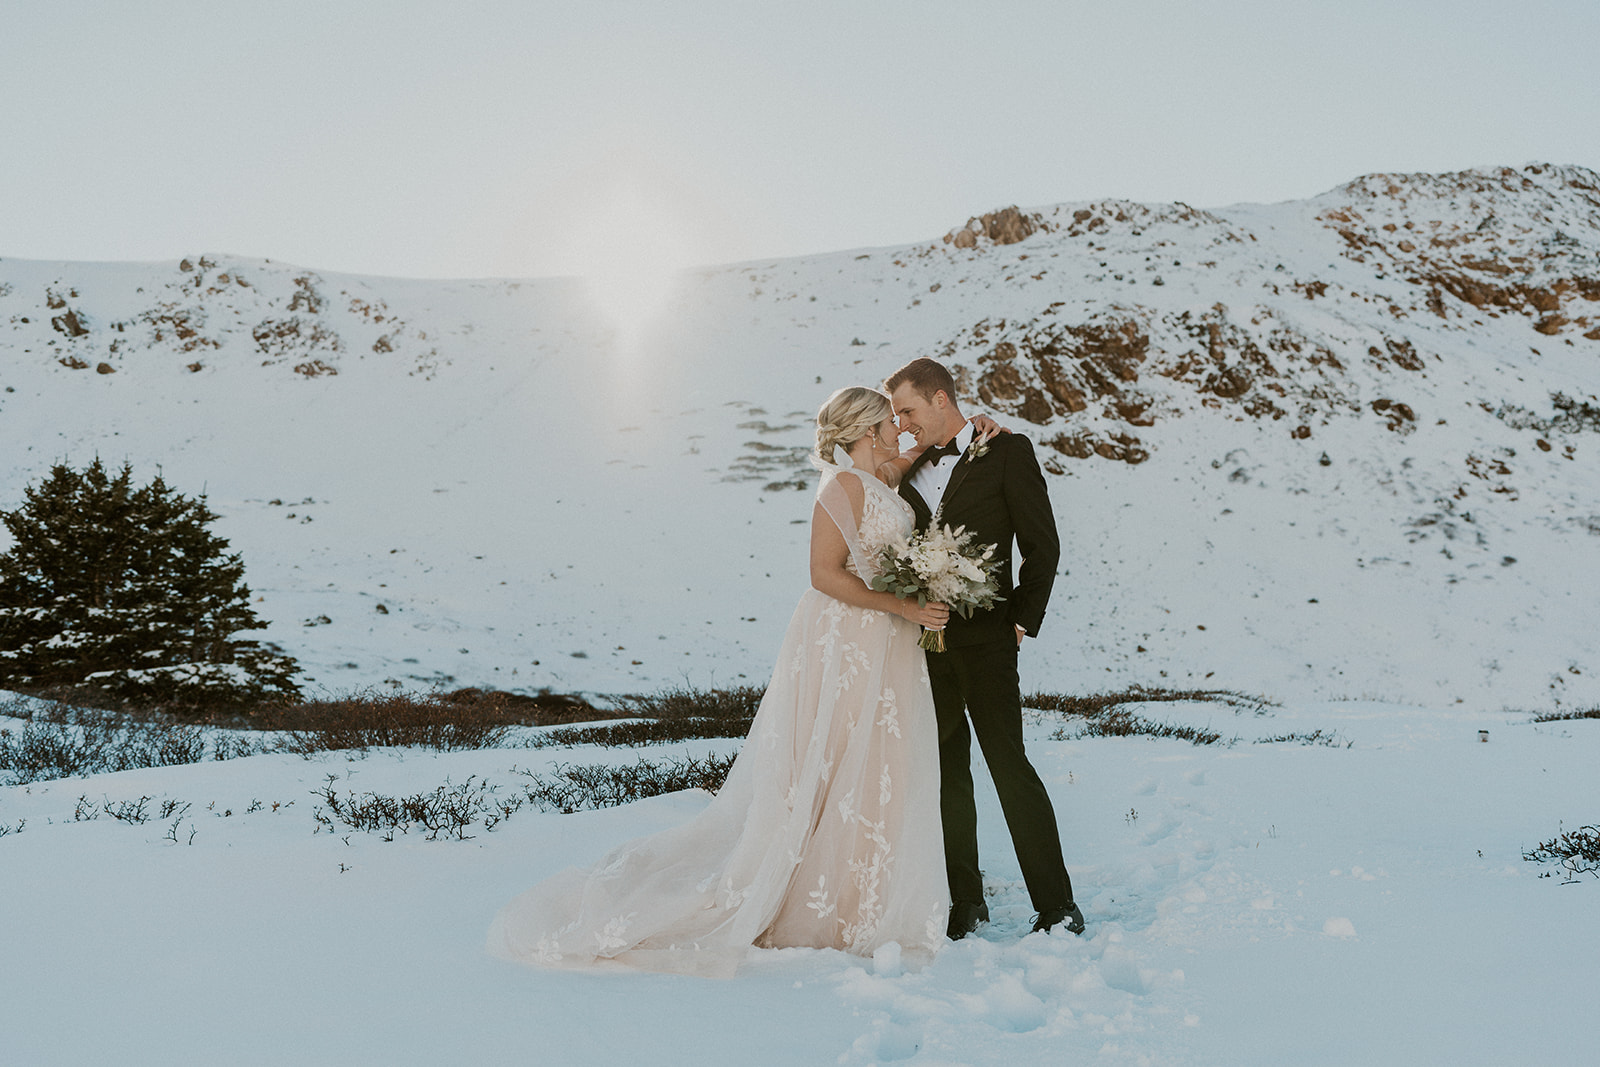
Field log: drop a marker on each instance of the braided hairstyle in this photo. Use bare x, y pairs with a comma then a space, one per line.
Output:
846, 415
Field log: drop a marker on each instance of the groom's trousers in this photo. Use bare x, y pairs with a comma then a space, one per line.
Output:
980, 681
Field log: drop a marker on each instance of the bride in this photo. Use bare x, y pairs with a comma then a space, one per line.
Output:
826, 833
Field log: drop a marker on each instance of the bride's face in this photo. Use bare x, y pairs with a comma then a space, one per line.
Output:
886, 440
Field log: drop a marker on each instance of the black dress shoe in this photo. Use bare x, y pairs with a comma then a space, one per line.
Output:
965, 915
1051, 917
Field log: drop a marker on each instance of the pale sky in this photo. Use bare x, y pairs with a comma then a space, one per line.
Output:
468, 139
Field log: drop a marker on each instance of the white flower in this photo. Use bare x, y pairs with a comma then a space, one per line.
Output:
891, 713
609, 939
819, 898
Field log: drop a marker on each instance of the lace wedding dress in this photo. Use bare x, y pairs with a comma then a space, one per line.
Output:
826, 833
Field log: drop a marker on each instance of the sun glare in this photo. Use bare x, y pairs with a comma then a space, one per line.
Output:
636, 243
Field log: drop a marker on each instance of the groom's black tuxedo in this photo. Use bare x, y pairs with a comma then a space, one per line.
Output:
1001, 497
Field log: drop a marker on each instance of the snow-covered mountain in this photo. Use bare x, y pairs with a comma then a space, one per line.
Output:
1337, 447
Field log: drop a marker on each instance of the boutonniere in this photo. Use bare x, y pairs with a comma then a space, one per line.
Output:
979, 447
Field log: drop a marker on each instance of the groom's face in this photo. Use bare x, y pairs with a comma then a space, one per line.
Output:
921, 417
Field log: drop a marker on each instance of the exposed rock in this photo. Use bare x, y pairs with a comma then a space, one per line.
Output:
105, 368
281, 339
306, 298
1400, 417
69, 324
181, 323
1004, 227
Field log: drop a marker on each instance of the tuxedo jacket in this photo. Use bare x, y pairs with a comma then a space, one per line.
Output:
1000, 497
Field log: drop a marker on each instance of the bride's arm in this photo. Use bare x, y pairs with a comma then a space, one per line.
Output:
892, 472
829, 553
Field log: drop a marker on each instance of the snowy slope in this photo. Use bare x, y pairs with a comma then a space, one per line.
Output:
1340, 447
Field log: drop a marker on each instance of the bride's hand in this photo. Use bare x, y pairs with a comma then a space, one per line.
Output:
932, 615
985, 427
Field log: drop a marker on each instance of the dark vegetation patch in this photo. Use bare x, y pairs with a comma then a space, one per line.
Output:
682, 714
1563, 716
448, 811
1106, 714
726, 705
1123, 723
58, 741
1318, 736
451, 810
601, 785
1089, 705
379, 720
644, 732
1577, 851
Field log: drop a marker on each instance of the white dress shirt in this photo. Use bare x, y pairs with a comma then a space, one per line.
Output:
932, 478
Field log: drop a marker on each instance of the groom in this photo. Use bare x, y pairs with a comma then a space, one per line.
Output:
998, 495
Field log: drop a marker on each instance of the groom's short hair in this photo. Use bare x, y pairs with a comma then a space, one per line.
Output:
926, 376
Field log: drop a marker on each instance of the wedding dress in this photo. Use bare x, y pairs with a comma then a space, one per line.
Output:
826, 833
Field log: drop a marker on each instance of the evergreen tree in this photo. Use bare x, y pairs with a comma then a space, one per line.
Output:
123, 588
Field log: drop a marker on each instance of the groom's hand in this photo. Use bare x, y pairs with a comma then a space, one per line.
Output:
1021, 633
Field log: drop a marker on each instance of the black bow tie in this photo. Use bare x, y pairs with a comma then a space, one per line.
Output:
934, 452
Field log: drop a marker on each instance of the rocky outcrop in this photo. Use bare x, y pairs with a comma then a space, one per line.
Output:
1482, 242
1004, 227
69, 324
1123, 372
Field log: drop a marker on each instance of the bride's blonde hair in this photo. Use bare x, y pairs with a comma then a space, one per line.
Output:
848, 414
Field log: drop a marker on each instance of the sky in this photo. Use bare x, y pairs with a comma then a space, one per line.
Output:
498, 139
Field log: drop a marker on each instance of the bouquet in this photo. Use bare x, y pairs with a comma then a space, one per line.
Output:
942, 565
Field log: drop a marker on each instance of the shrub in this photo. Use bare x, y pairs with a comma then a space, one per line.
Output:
726, 705
1092, 704
1576, 850
602, 785
96, 743
1105, 716
451, 810
648, 732
540, 709
1122, 723
124, 589
1318, 736
448, 810
374, 719
1562, 716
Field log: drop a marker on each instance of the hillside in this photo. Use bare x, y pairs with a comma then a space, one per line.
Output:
1335, 447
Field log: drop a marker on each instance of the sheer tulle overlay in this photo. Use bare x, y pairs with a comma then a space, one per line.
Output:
826, 833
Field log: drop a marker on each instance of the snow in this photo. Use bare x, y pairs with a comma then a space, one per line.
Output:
536, 504
1247, 903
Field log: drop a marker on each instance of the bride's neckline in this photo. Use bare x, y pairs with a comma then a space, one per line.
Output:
866, 475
